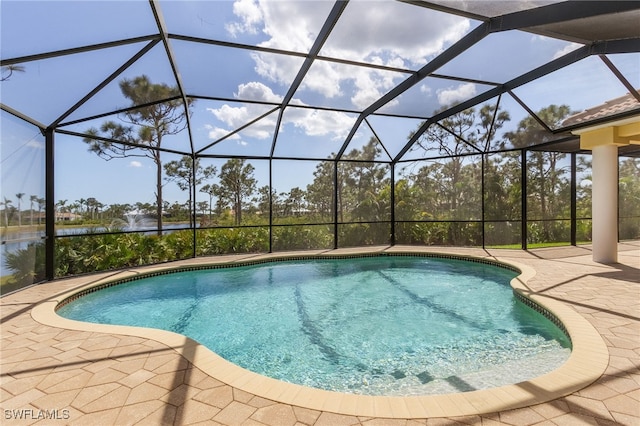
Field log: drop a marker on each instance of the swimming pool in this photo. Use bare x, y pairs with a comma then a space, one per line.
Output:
387, 325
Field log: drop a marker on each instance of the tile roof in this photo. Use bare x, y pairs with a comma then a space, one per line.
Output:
615, 106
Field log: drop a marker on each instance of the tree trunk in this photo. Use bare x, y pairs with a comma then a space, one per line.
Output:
543, 199
238, 208
210, 208
156, 158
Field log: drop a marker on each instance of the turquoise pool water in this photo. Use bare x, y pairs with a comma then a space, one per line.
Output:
387, 325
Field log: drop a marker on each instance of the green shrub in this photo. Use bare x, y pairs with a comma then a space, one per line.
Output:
302, 237
232, 240
27, 265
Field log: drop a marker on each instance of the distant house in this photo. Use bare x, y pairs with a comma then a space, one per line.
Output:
67, 216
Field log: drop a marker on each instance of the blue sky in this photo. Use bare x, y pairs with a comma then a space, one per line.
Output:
379, 32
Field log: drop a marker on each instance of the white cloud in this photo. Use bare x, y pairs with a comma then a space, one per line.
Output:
297, 34
550, 45
33, 143
257, 91
135, 164
401, 32
335, 124
216, 133
257, 131
261, 130
236, 117
404, 36
450, 96
324, 78
232, 116
370, 86
250, 16
280, 69
313, 122
567, 49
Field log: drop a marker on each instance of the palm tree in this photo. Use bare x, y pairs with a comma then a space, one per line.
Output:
7, 205
41, 203
19, 196
9, 70
73, 207
99, 209
32, 199
81, 202
92, 205
61, 204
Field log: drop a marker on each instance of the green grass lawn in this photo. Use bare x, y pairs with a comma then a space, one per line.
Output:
537, 245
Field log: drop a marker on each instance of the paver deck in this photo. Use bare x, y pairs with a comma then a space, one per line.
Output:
105, 378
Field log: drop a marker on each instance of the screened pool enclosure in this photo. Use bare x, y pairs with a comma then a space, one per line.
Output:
138, 132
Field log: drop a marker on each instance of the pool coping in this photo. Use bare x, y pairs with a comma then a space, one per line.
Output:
588, 360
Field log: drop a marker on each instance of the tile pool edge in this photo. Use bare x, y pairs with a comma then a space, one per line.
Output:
588, 360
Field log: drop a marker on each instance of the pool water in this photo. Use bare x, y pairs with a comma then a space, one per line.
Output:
386, 325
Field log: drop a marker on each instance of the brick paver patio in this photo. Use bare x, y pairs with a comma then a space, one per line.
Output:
95, 378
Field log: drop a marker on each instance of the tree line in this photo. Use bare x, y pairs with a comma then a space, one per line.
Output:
464, 187
14, 214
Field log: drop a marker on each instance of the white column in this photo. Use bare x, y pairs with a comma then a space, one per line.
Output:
604, 209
